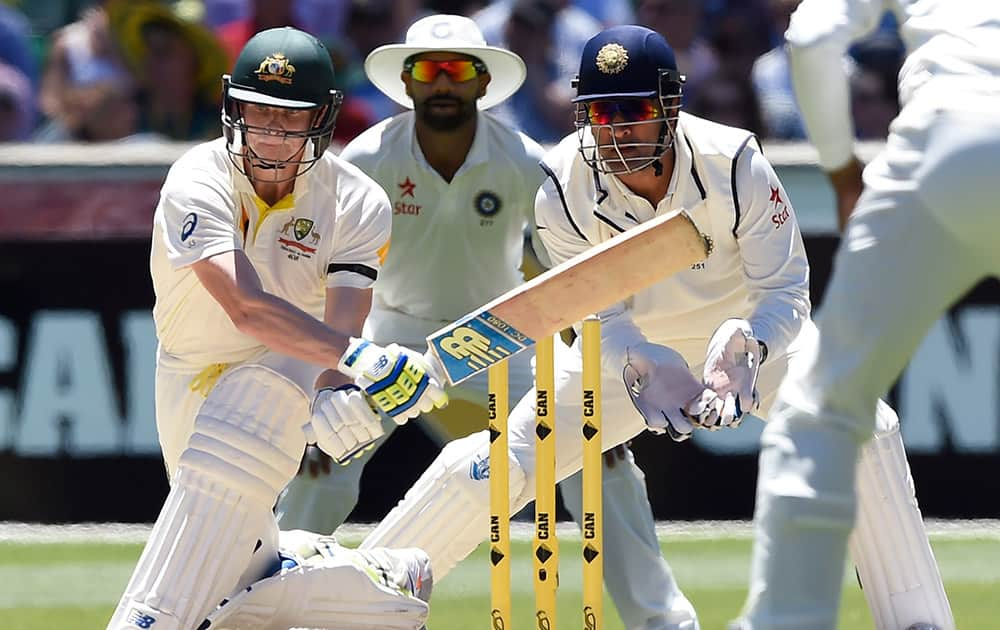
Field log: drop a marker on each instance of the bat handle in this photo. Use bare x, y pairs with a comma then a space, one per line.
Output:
435, 369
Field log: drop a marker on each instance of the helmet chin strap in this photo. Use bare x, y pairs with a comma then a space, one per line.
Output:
658, 164
264, 164
257, 162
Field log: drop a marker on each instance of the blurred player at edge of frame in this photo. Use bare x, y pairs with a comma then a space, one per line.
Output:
919, 237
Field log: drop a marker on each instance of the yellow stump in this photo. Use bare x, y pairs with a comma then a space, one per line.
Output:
593, 511
546, 546
499, 498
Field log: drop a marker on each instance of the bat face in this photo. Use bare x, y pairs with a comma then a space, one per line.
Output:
585, 284
474, 343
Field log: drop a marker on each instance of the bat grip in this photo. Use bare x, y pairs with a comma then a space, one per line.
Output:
434, 368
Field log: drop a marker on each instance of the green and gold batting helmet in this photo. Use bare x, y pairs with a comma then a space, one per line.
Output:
281, 67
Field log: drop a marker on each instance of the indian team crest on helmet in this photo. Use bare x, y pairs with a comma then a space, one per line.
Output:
488, 203
276, 67
612, 58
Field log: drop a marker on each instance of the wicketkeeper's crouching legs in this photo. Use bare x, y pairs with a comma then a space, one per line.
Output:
243, 450
446, 512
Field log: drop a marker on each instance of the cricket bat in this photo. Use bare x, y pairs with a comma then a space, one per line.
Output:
566, 294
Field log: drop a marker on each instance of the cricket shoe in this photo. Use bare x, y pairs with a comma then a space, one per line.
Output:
682, 616
418, 571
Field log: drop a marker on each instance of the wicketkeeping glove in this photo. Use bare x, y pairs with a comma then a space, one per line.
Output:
731, 368
663, 390
398, 381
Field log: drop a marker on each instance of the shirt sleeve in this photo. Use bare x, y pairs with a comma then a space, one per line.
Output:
818, 37
533, 178
361, 236
197, 216
774, 257
559, 233
357, 153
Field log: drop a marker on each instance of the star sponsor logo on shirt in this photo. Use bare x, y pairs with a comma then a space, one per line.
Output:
408, 187
780, 209
301, 230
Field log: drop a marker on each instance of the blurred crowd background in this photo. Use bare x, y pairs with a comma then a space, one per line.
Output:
131, 70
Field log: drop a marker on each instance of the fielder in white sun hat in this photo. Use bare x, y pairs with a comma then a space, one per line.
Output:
446, 33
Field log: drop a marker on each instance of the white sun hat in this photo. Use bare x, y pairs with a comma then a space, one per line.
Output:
446, 33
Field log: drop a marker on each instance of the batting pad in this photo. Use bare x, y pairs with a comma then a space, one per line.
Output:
446, 512
899, 575
246, 445
339, 592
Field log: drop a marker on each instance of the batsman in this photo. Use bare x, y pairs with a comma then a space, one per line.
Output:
264, 249
701, 349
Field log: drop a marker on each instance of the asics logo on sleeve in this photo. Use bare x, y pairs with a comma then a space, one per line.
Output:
190, 223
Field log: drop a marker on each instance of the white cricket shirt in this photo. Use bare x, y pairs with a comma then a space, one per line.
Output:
330, 232
455, 245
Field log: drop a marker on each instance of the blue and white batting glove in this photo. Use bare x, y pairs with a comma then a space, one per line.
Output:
400, 382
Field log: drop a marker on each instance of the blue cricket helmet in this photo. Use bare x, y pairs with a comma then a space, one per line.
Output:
618, 64
627, 62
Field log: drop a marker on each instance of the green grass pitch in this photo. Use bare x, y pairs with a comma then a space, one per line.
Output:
74, 585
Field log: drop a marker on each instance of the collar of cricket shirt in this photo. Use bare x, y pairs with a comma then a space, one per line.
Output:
686, 188
479, 152
634, 208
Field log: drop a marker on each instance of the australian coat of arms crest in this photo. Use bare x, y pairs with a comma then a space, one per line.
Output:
276, 67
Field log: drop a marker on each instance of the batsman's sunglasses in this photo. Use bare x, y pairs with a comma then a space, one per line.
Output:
458, 70
632, 110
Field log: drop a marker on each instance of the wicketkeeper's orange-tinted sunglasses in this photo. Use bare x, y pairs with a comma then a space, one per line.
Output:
632, 110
